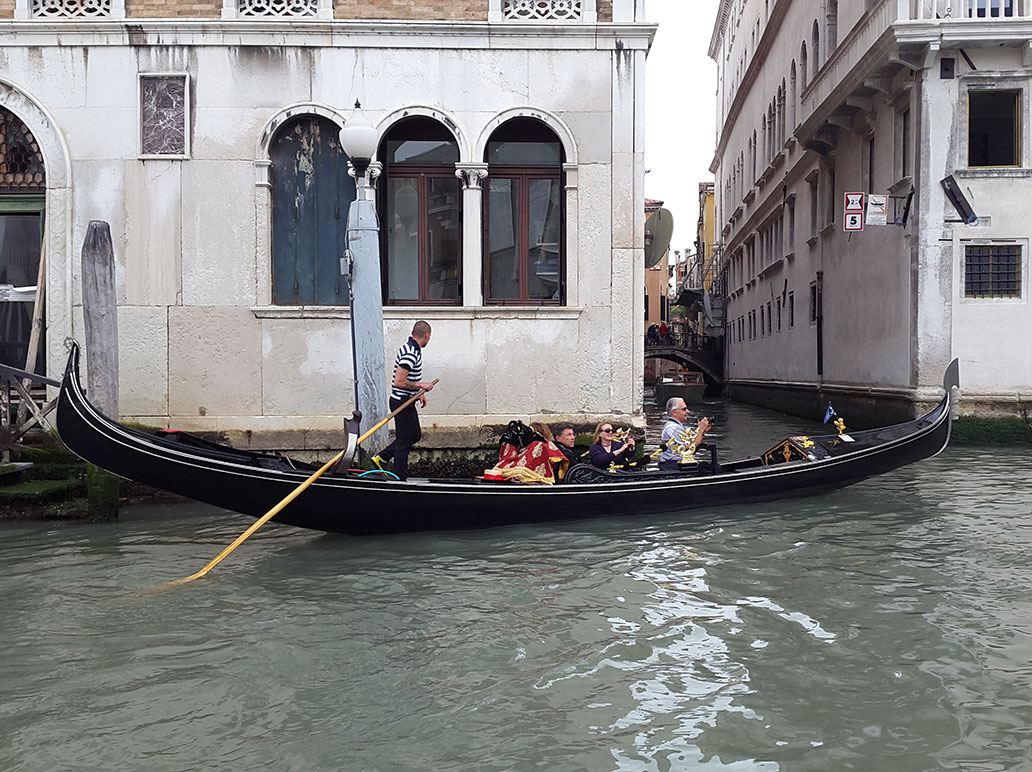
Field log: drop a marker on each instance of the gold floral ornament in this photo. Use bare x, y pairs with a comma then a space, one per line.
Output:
683, 444
840, 424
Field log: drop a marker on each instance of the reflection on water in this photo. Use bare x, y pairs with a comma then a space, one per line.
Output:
883, 627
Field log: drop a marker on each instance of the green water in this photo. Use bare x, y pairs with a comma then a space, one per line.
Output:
884, 627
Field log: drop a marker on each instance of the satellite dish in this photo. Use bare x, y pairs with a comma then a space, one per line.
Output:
659, 228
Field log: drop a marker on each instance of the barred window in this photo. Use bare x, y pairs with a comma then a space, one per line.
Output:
21, 162
992, 271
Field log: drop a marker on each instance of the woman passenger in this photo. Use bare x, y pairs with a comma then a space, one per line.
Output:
605, 451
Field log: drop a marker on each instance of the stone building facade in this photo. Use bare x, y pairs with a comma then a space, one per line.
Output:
907, 102
508, 185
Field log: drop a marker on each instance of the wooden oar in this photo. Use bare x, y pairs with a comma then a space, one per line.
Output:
294, 494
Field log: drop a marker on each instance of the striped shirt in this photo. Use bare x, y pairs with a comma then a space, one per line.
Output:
410, 357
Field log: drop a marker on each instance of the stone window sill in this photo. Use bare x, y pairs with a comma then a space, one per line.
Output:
423, 312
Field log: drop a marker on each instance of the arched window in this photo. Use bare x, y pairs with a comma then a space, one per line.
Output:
754, 154
524, 252
781, 113
803, 72
311, 194
421, 200
766, 137
772, 128
832, 26
792, 97
815, 44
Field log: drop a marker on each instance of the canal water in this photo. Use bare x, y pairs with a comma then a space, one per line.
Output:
887, 626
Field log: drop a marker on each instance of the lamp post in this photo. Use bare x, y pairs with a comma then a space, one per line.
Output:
361, 266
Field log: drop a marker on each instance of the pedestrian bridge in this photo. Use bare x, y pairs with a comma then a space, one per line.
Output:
706, 361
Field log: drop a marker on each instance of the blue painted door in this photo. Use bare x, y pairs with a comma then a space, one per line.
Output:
311, 194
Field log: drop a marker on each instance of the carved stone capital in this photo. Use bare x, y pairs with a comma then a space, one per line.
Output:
372, 174
471, 174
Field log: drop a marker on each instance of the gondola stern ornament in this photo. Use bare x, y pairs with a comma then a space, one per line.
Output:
951, 385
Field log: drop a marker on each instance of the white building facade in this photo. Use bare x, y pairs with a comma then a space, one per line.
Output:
509, 186
908, 102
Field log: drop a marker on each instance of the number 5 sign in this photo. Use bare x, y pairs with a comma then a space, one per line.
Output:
853, 221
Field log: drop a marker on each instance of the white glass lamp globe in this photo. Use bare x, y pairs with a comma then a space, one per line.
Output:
358, 138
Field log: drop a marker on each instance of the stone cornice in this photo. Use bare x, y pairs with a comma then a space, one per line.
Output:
719, 27
330, 32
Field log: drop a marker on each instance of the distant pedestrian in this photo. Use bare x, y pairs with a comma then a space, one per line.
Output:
408, 372
664, 333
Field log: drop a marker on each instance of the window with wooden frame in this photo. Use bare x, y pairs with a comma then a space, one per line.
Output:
524, 249
421, 199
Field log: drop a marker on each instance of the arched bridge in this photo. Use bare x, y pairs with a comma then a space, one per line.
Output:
704, 360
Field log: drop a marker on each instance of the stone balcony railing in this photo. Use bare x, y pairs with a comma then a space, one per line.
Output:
968, 9
918, 24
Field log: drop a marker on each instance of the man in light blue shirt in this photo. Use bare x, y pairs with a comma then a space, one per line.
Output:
674, 431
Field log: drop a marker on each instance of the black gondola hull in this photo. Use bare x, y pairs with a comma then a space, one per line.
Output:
252, 483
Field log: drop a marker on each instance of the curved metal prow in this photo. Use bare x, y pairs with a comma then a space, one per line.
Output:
952, 377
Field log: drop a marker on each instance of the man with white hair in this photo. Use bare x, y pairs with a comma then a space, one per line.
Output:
675, 433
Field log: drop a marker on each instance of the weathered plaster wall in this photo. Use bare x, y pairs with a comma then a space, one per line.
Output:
199, 346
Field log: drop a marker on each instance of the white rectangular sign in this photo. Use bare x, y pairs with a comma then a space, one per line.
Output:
853, 221
877, 209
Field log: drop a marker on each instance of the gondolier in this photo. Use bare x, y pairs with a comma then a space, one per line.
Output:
408, 372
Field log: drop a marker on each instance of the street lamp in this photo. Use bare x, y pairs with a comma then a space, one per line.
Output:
359, 140
361, 266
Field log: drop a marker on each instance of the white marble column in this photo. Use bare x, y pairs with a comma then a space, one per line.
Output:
472, 176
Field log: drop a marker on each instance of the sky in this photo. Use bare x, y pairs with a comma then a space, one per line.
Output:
680, 109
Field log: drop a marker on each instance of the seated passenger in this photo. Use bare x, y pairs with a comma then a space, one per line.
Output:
677, 440
605, 452
565, 439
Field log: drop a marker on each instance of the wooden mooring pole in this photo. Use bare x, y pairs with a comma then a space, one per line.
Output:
100, 312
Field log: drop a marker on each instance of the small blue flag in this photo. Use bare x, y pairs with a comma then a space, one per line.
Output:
829, 413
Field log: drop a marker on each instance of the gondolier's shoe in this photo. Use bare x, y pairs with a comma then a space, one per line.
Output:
378, 462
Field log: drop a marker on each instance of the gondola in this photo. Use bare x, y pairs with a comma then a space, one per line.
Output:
345, 502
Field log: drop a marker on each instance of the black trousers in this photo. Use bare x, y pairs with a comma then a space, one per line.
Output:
406, 434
